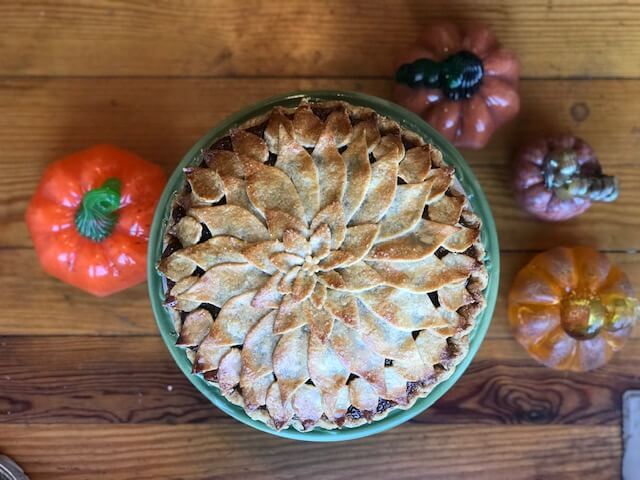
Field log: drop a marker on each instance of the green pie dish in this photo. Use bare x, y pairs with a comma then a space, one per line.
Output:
464, 175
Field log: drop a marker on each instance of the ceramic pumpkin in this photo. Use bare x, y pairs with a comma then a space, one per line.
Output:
460, 81
571, 309
558, 177
91, 215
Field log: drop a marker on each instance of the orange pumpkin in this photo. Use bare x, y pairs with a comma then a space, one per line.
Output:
90, 218
571, 309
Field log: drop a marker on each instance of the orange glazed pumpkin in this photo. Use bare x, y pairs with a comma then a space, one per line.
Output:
571, 308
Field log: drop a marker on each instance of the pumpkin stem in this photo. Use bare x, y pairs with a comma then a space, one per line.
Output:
458, 75
561, 172
97, 215
582, 318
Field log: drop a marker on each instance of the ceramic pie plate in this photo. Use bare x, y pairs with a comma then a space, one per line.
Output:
463, 174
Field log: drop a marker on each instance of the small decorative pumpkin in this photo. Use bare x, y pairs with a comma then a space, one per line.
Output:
557, 178
460, 82
91, 215
571, 309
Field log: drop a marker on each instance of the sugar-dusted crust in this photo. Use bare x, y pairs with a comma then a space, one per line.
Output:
297, 259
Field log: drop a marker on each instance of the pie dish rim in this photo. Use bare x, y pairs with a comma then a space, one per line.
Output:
406, 120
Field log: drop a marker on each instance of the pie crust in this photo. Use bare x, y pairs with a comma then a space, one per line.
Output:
323, 267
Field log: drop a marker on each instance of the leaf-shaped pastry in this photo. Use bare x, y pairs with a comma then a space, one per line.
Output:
217, 250
447, 210
357, 242
335, 405
431, 347
278, 222
292, 315
195, 328
284, 261
224, 281
231, 220
271, 189
382, 189
343, 306
176, 266
254, 392
426, 275
296, 162
257, 350
368, 128
281, 413
306, 126
332, 216
307, 405
390, 148
321, 324
285, 286
289, 362
259, 254
229, 370
268, 295
454, 295
235, 319
249, 145
462, 239
332, 171
303, 286
385, 340
175, 295
416, 164
358, 359
296, 243
362, 395
404, 310
319, 295
320, 242
405, 210
206, 185
356, 159
208, 356
396, 385
417, 244
325, 368
225, 163
354, 278
338, 128
272, 133
235, 191
440, 180
188, 230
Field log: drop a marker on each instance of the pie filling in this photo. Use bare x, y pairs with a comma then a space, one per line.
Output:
322, 267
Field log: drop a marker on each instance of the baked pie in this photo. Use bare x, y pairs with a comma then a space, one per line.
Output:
323, 266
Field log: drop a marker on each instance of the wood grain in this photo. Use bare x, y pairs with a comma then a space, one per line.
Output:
36, 304
233, 452
560, 38
99, 380
161, 118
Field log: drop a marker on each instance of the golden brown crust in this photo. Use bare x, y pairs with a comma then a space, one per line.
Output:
320, 262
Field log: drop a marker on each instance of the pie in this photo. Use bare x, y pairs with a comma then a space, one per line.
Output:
323, 267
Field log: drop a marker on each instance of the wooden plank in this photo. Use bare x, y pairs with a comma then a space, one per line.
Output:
235, 452
161, 118
90, 380
36, 304
300, 38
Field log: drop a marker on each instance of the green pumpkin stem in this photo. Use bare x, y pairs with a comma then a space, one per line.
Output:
458, 75
561, 173
97, 215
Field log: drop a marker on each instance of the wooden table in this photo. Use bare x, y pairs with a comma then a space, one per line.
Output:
87, 388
